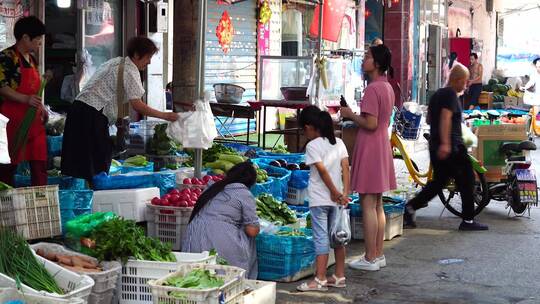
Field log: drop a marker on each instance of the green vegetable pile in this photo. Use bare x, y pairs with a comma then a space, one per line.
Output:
225, 162
136, 161
161, 144
294, 232
262, 176
196, 279
121, 239
4, 186
280, 149
18, 262
270, 209
212, 154
116, 163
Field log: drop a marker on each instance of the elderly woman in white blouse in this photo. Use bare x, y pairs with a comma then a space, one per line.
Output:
104, 100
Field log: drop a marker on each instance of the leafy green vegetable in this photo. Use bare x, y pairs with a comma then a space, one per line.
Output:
116, 163
294, 232
121, 239
18, 262
136, 161
274, 211
280, 149
4, 186
211, 155
196, 279
161, 144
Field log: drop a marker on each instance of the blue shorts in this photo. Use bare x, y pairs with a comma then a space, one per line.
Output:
322, 219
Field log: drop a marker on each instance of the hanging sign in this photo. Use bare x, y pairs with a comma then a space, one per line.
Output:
225, 32
10, 12
333, 14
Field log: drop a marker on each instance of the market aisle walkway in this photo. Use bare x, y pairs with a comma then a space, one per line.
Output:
438, 264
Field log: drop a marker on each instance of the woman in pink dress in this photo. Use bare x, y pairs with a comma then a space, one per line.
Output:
372, 165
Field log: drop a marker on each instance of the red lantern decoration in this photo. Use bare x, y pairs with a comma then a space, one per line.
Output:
225, 32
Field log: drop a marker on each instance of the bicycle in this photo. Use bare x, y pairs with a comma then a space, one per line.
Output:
481, 193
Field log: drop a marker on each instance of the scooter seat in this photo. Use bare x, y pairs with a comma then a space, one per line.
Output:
509, 147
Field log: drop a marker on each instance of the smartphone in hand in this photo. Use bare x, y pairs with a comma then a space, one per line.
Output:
343, 104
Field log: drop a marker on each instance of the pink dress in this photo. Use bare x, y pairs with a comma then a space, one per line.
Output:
373, 165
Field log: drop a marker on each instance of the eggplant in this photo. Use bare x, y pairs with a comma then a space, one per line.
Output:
293, 167
275, 163
282, 162
303, 166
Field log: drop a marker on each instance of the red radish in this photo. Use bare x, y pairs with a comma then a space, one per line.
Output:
183, 204
194, 197
187, 181
167, 197
186, 191
174, 191
174, 198
194, 181
164, 202
216, 178
155, 201
207, 178
197, 191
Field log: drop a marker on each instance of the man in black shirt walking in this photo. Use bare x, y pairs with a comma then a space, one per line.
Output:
447, 151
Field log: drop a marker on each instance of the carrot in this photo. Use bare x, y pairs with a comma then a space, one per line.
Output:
78, 261
66, 260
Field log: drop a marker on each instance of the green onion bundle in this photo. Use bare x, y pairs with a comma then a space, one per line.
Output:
18, 262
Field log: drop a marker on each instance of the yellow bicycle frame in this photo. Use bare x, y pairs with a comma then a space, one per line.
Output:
418, 177
535, 128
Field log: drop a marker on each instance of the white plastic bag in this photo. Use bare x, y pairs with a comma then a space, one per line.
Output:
469, 138
194, 129
340, 232
4, 152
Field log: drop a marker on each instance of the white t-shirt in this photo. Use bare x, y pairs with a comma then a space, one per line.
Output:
321, 150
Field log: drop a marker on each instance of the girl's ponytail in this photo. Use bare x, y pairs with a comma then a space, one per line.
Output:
325, 126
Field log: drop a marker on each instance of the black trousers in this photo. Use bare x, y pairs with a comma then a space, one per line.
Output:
87, 147
457, 166
474, 94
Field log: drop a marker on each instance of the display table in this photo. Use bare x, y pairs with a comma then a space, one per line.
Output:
231, 112
290, 104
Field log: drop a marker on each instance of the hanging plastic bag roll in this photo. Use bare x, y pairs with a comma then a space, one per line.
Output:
340, 232
195, 129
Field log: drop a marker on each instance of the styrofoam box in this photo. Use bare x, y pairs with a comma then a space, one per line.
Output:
394, 226
75, 285
133, 288
262, 292
128, 203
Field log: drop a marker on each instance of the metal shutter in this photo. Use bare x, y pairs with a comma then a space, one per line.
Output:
239, 65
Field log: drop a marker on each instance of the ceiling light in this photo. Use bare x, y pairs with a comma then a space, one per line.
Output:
63, 3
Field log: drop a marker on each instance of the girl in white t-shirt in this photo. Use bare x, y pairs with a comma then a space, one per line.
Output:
328, 188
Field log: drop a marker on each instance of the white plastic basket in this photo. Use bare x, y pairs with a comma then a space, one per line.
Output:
104, 281
168, 224
260, 292
75, 285
127, 203
296, 196
33, 212
12, 294
135, 275
101, 297
228, 293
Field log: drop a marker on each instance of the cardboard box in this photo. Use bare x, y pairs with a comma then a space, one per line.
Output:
486, 99
511, 101
490, 139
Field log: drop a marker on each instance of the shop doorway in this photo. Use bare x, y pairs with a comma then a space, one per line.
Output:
431, 61
78, 40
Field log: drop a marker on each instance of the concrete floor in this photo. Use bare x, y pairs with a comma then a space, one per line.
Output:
501, 265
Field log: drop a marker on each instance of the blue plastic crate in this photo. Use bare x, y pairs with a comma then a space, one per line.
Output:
278, 266
263, 188
63, 182
164, 180
54, 145
412, 127
391, 205
281, 179
240, 148
301, 211
295, 158
148, 168
270, 243
74, 203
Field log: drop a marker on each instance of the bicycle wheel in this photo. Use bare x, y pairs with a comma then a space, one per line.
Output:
481, 196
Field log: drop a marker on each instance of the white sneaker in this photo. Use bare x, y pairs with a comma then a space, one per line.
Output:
381, 261
363, 264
